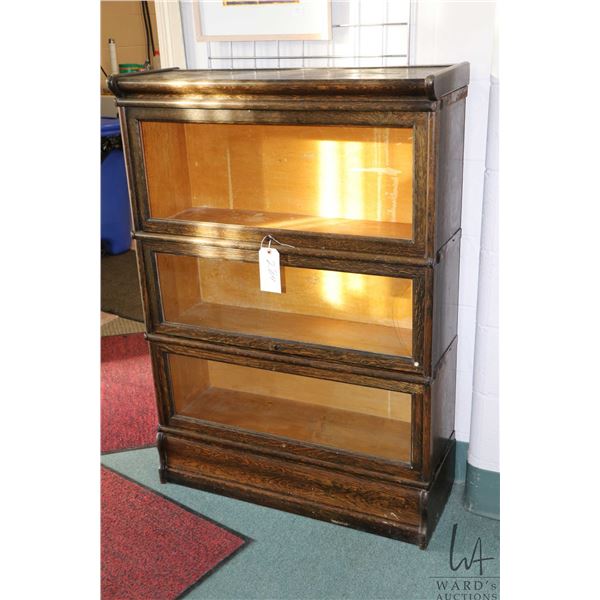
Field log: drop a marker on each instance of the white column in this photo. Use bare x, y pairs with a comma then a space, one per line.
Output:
484, 447
170, 34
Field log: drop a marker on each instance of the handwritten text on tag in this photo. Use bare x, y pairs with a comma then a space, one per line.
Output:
268, 266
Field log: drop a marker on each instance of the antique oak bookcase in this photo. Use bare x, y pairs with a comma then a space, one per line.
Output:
335, 398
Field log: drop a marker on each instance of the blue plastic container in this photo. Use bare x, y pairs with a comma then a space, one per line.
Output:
115, 217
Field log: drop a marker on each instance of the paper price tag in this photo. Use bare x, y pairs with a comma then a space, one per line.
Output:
268, 266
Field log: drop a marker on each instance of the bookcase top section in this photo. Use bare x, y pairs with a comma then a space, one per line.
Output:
418, 82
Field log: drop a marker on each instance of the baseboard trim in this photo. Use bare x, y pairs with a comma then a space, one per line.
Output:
460, 471
482, 492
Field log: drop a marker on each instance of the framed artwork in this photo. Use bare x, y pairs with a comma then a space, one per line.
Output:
249, 20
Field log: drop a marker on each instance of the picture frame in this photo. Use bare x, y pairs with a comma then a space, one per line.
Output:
268, 20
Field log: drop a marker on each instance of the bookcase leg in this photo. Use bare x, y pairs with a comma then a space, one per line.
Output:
162, 456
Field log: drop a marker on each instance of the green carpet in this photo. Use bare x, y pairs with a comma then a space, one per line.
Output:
120, 287
294, 557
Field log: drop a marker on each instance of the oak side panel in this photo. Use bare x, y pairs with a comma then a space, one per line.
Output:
449, 171
445, 298
443, 395
434, 500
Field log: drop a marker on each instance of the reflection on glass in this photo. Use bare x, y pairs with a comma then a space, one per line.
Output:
347, 180
342, 416
344, 310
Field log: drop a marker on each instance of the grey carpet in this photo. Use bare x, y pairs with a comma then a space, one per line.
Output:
120, 292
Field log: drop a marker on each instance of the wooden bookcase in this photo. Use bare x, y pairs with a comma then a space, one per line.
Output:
335, 398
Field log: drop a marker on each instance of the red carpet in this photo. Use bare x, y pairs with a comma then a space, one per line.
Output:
153, 548
129, 417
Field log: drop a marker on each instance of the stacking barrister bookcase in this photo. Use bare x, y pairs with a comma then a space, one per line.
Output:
333, 399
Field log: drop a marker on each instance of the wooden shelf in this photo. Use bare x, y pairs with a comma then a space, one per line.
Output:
295, 222
322, 425
368, 337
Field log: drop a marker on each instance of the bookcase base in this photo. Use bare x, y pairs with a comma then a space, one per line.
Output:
393, 509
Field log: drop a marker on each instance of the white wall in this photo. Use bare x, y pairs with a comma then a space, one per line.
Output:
441, 32
377, 29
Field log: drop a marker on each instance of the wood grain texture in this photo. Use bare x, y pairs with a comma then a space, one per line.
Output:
191, 377
336, 333
430, 83
442, 395
296, 222
392, 399
314, 422
337, 295
445, 297
331, 308
394, 510
435, 498
303, 402
269, 475
449, 171
432, 407
348, 369
386, 328
161, 445
422, 196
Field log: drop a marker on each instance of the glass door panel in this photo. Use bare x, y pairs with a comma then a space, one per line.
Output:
372, 313
354, 418
342, 180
